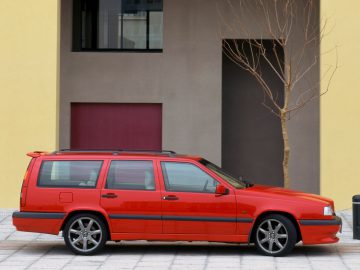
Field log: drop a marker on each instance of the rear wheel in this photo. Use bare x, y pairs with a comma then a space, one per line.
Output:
275, 235
85, 234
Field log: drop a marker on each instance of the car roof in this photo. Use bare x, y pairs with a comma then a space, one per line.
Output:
116, 153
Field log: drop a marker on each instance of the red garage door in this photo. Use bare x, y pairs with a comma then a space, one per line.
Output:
116, 126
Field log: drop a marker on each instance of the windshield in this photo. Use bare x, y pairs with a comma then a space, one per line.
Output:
227, 177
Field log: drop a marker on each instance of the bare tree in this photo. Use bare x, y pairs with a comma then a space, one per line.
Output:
292, 25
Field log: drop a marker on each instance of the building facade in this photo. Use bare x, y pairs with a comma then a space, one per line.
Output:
152, 75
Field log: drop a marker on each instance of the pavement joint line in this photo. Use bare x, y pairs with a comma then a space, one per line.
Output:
38, 259
3, 218
206, 259
174, 258
13, 253
241, 261
341, 257
102, 263
308, 259
7, 237
139, 260
69, 262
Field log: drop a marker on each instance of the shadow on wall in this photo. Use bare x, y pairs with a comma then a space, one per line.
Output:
252, 145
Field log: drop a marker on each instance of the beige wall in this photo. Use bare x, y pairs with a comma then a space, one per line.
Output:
186, 77
340, 110
28, 88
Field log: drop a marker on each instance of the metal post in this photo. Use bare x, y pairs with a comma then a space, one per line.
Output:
356, 216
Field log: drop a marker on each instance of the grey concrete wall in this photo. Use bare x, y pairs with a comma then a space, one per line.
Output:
186, 78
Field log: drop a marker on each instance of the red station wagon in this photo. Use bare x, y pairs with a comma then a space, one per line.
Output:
99, 196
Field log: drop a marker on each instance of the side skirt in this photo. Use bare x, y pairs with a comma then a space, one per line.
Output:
180, 237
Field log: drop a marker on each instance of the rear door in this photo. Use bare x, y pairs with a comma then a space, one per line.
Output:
189, 203
131, 197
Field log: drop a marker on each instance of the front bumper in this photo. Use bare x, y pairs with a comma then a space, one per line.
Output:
320, 231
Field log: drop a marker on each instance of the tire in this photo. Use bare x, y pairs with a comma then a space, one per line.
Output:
85, 227
278, 239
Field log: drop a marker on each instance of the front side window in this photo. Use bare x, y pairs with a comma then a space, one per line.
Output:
131, 175
118, 25
75, 174
236, 183
186, 177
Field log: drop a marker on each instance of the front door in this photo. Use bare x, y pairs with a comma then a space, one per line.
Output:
132, 198
189, 203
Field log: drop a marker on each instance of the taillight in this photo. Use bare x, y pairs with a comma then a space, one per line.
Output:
25, 183
23, 196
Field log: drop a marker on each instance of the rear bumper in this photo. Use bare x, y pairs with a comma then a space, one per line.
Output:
40, 222
320, 231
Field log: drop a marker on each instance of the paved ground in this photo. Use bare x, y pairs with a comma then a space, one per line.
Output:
19, 250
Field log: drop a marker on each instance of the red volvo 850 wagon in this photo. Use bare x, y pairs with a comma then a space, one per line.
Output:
99, 196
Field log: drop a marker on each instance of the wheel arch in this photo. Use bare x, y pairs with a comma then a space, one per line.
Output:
99, 214
286, 214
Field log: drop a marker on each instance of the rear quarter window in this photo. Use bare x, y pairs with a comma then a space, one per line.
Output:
72, 174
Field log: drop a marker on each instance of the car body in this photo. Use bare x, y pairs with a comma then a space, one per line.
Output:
142, 195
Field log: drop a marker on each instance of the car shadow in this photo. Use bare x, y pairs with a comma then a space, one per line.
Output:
182, 248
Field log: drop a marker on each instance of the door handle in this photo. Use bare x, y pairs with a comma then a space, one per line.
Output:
109, 195
170, 198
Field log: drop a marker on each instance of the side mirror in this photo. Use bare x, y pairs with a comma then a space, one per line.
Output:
221, 190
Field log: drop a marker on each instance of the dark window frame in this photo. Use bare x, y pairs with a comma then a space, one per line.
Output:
134, 189
77, 34
166, 183
39, 185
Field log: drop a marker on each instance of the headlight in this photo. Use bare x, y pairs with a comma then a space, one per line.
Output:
328, 211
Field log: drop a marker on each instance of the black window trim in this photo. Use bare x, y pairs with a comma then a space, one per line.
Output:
108, 170
118, 50
69, 186
164, 175
77, 35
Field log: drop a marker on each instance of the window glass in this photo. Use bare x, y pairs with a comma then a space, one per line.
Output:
156, 30
109, 24
131, 174
69, 173
186, 177
134, 30
227, 177
117, 24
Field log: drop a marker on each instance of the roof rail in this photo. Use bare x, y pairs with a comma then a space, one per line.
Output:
150, 151
116, 151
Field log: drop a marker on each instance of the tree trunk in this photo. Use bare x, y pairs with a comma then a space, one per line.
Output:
286, 150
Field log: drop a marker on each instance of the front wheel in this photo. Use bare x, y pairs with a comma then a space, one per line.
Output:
275, 235
85, 234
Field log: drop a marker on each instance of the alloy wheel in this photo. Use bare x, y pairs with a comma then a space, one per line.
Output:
272, 236
85, 234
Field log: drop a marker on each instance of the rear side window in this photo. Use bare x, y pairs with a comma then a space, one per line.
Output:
131, 175
75, 174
